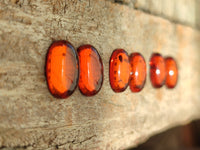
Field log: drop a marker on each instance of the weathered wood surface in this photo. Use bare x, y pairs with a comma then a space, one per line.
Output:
179, 11
30, 118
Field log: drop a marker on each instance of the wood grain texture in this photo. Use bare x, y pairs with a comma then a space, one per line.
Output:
179, 11
30, 118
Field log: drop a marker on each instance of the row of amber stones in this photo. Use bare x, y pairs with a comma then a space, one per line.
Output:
65, 70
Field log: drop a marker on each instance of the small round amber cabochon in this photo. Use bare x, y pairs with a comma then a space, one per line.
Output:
91, 70
62, 69
119, 70
138, 72
157, 70
171, 72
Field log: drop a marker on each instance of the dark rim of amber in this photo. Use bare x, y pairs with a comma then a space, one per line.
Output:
88, 46
54, 44
153, 55
123, 89
171, 58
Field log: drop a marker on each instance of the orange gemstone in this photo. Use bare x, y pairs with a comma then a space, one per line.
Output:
138, 72
172, 72
157, 70
62, 69
91, 70
119, 70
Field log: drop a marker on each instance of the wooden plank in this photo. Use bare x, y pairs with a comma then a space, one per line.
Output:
179, 11
32, 119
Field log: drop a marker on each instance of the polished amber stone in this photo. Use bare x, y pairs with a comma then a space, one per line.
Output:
171, 71
119, 70
62, 69
138, 72
157, 70
91, 70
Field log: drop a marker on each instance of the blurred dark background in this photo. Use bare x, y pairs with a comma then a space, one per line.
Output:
185, 137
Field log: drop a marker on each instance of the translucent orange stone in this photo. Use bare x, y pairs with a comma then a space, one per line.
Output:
91, 70
157, 70
62, 69
138, 72
171, 71
119, 70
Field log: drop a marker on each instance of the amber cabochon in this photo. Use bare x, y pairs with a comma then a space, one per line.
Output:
157, 70
62, 69
138, 72
119, 70
171, 72
65, 70
91, 70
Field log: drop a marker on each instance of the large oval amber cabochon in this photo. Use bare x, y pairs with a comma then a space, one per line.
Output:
91, 70
171, 71
62, 69
119, 70
138, 72
157, 70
